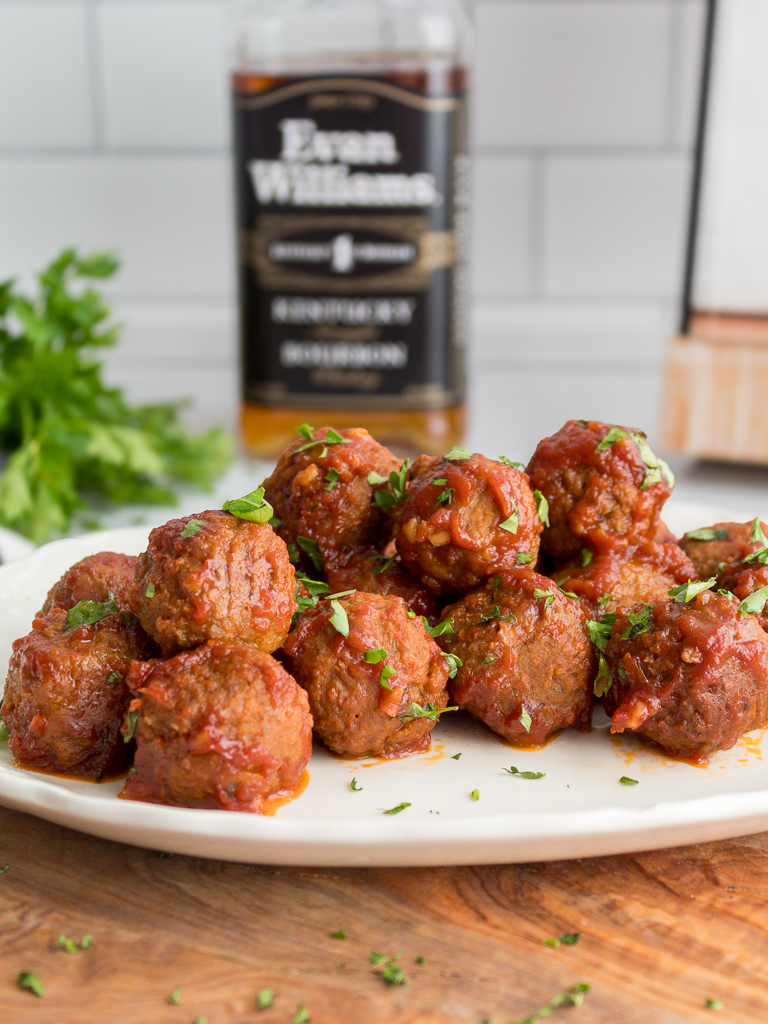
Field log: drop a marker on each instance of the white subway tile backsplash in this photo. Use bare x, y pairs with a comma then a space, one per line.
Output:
614, 226
169, 219
502, 200
586, 72
44, 76
164, 74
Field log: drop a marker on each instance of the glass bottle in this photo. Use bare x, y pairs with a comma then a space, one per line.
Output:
351, 173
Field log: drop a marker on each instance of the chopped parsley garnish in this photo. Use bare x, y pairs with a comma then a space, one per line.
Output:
265, 998
398, 480
708, 533
339, 619
603, 601
509, 462
310, 548
315, 588
569, 939
497, 582
626, 781
112, 678
331, 478
131, 719
175, 997
444, 628
614, 434
525, 719
374, 655
355, 786
396, 810
475, 794
30, 983
568, 593
338, 935
756, 533
573, 997
457, 454
548, 596
5, 869
385, 563
603, 680
656, 468
444, 498
542, 507
525, 775
511, 524
386, 673
760, 556
191, 528
87, 613
639, 621
489, 658
253, 507
69, 946
754, 604
454, 664
3, 735
150, 591
523, 558
430, 711
420, 960
301, 1016
305, 431
687, 591
440, 481
713, 1004
332, 437
390, 972
587, 557
454, 757
600, 633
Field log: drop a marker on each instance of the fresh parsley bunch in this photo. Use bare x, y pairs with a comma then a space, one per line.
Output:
65, 435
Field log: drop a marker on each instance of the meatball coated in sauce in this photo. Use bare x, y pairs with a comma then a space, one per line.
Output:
320, 490
464, 520
372, 573
215, 577
694, 680
65, 694
94, 579
527, 660
223, 726
358, 704
730, 542
601, 490
608, 584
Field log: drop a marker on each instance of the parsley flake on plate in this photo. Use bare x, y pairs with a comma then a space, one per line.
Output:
30, 982
338, 935
355, 786
265, 998
626, 781
387, 969
69, 946
475, 795
525, 775
301, 1016
397, 810
569, 939
573, 997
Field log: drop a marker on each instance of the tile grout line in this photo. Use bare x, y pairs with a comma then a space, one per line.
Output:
95, 78
673, 83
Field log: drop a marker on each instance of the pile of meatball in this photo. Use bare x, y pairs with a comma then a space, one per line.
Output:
358, 598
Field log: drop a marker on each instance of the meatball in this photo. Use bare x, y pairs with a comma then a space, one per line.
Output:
711, 548
607, 584
464, 520
527, 660
65, 695
373, 573
215, 577
223, 726
692, 676
320, 491
94, 579
375, 677
604, 486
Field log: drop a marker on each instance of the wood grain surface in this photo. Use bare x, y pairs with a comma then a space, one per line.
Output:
660, 933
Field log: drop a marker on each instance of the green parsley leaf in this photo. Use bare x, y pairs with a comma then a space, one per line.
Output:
489, 658
254, 507
587, 557
191, 528
569, 939
398, 480
760, 556
457, 454
754, 603
639, 621
603, 680
150, 591
386, 562
614, 434
687, 591
444, 628
455, 757
386, 673
3, 731
497, 582
175, 997
573, 997
339, 619
525, 775
656, 467
707, 533
332, 477
305, 431
475, 794
331, 437
511, 524
509, 462
310, 548
266, 997
131, 718
444, 498
301, 1016
756, 533
440, 481
5, 869
523, 558
338, 935
355, 786
112, 678
548, 596
525, 719
87, 613
375, 655
568, 593
542, 507
713, 1004
396, 810
30, 983
390, 972
420, 960
626, 781
69, 946
431, 711
603, 601
454, 664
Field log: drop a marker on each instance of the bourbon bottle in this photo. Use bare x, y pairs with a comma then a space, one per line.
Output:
350, 139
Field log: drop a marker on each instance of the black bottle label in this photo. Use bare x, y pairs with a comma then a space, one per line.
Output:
351, 196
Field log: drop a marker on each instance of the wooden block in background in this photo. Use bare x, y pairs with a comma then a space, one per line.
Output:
715, 400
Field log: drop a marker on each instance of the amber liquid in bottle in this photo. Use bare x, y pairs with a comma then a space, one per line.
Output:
429, 240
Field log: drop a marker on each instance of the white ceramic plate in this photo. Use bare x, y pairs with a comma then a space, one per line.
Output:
578, 809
